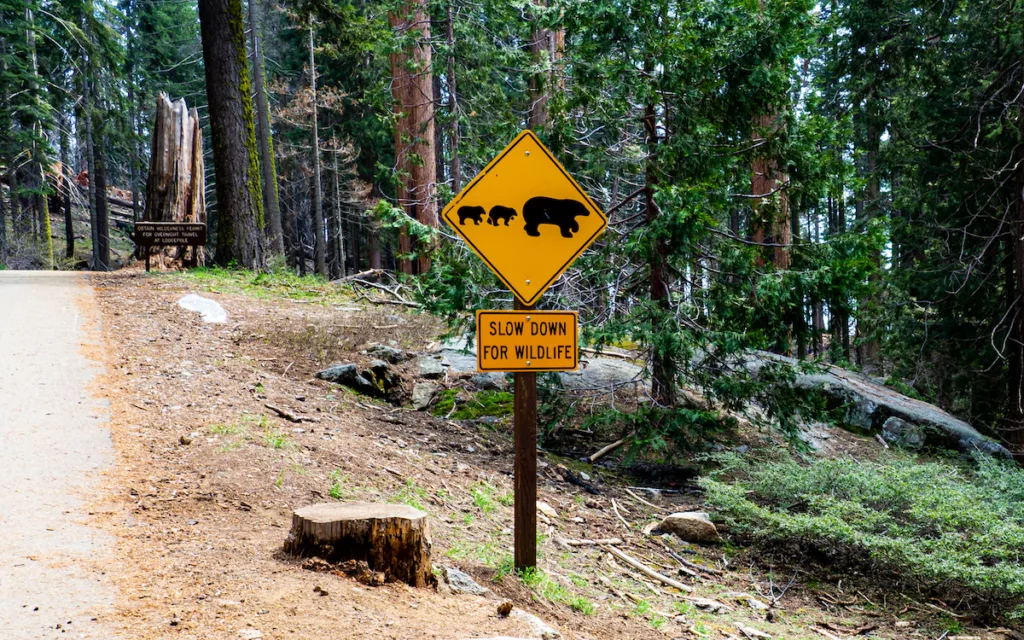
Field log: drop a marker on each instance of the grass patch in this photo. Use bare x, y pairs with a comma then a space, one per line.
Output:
275, 439
949, 528
339, 483
485, 403
411, 494
546, 588
279, 283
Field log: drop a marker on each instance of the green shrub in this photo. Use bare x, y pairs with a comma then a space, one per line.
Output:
944, 527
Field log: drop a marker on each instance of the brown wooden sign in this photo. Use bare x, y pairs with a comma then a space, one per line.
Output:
170, 234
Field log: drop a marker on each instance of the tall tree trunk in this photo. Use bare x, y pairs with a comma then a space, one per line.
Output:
87, 121
1013, 430
132, 133
271, 201
233, 131
67, 184
339, 223
37, 167
319, 247
663, 367
869, 209
455, 163
412, 91
99, 176
545, 48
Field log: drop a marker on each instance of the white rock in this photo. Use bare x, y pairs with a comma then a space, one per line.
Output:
250, 634
538, 626
547, 509
210, 310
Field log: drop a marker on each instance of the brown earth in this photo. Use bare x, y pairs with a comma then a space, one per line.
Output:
207, 477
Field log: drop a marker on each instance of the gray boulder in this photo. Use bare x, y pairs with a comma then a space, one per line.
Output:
423, 394
602, 373
690, 526
489, 382
461, 583
429, 368
867, 404
902, 433
391, 354
348, 375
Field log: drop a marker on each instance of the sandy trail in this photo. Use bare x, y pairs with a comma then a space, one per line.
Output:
54, 443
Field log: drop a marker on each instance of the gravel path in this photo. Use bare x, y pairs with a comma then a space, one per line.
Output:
54, 443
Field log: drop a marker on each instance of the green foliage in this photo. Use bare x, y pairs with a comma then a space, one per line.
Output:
546, 588
941, 526
481, 404
276, 284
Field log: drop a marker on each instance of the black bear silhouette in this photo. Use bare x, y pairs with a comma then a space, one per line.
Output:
476, 214
562, 213
499, 212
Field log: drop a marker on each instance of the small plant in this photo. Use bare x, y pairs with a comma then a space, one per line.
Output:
411, 494
546, 588
338, 483
275, 439
483, 497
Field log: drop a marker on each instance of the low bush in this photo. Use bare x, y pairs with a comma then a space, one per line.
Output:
947, 528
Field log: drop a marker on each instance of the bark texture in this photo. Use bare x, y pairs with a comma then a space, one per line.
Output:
176, 183
233, 132
271, 200
393, 539
412, 88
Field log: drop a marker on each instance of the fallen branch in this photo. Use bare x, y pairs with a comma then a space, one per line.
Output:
825, 633
591, 543
651, 573
615, 508
642, 501
290, 416
608, 449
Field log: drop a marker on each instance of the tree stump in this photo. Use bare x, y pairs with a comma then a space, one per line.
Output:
393, 539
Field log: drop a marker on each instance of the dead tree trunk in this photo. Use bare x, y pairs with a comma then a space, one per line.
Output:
319, 247
391, 538
176, 186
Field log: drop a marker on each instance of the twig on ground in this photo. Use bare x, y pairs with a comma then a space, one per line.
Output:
636, 564
615, 508
642, 501
591, 543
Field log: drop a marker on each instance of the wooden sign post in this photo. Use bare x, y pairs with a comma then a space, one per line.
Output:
528, 220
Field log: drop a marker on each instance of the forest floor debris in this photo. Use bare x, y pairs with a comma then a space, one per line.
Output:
248, 467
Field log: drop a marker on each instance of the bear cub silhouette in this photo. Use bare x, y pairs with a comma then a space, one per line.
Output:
561, 213
500, 213
476, 214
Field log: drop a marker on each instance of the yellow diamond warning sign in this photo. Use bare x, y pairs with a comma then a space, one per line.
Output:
527, 341
526, 217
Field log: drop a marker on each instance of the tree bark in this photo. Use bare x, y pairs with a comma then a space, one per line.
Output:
233, 131
455, 163
663, 367
412, 91
271, 201
1013, 430
87, 121
319, 246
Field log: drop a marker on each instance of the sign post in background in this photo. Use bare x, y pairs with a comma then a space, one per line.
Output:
528, 220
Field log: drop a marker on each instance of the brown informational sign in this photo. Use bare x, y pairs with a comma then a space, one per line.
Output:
527, 341
170, 234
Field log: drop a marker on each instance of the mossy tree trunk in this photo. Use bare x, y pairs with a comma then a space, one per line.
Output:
240, 237
271, 200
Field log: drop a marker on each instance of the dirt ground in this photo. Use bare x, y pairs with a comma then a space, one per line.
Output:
208, 474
